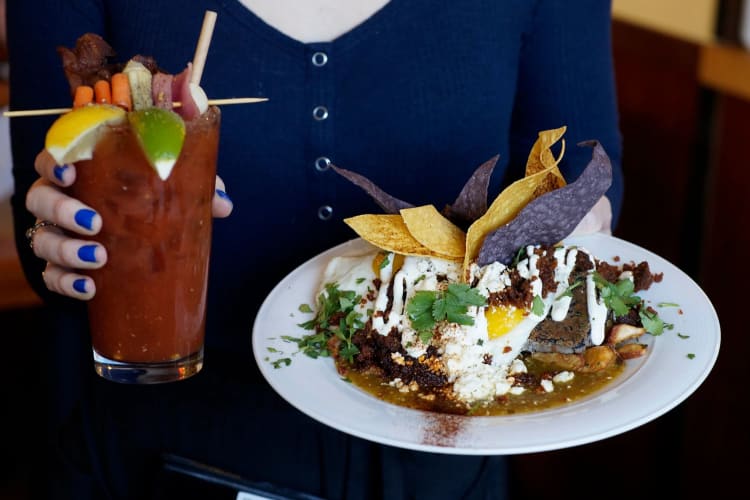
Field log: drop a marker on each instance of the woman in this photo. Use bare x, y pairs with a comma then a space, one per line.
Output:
411, 96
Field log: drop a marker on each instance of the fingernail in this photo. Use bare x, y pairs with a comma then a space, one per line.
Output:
87, 253
85, 217
79, 285
59, 172
224, 195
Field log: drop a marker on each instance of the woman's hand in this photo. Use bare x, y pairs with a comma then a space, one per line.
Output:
598, 220
64, 218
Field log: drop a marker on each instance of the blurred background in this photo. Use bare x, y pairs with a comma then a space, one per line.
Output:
683, 78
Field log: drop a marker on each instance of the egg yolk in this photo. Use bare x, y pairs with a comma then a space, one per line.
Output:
501, 320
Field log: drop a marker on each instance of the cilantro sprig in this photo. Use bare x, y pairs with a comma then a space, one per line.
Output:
428, 307
620, 299
281, 362
336, 317
537, 306
386, 260
651, 321
617, 296
520, 254
569, 291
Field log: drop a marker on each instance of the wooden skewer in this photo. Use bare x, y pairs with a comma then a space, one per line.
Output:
59, 111
36, 112
201, 49
233, 100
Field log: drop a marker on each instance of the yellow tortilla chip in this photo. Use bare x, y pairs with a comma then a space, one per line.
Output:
434, 231
389, 233
541, 157
506, 206
550, 182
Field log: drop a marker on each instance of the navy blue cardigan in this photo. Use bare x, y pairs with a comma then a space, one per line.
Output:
416, 97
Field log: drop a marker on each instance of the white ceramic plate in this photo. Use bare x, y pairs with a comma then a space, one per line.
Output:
650, 386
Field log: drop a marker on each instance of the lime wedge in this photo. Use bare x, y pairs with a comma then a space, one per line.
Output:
161, 134
73, 136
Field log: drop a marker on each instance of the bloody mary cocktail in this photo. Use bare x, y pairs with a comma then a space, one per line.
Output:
147, 318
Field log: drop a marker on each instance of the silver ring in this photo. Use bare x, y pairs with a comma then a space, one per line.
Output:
30, 232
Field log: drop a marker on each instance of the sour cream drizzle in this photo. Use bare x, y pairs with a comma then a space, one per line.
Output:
561, 304
529, 270
597, 310
416, 273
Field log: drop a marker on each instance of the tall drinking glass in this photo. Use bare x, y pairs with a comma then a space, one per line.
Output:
147, 318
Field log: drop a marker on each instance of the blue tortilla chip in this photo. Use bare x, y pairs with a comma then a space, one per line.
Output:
553, 216
388, 203
471, 203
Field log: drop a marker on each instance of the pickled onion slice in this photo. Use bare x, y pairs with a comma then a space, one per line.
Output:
181, 92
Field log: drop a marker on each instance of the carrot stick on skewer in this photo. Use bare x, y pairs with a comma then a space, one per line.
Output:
102, 92
121, 91
83, 96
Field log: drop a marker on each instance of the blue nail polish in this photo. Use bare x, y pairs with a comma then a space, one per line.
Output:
87, 253
85, 217
80, 285
224, 195
59, 171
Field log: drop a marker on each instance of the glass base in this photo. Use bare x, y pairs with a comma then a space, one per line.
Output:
148, 373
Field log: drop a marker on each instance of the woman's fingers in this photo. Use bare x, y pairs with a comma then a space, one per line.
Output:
62, 254
65, 282
65, 175
62, 175
47, 202
598, 220
54, 247
222, 204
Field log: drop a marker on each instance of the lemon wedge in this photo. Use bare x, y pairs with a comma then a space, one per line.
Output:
73, 136
161, 134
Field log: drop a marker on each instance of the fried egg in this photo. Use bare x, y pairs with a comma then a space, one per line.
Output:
479, 359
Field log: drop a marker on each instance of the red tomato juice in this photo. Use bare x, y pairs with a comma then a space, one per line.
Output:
150, 297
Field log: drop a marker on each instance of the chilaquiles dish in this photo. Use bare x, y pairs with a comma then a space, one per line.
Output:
480, 309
